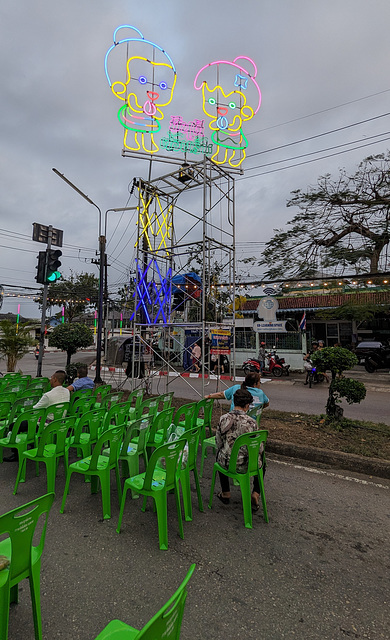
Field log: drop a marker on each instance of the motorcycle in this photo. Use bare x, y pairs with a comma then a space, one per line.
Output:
376, 361
272, 368
283, 364
313, 376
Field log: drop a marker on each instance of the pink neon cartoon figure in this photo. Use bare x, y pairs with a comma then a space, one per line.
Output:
229, 100
147, 87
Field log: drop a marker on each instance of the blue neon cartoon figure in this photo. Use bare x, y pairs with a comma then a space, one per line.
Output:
230, 97
148, 78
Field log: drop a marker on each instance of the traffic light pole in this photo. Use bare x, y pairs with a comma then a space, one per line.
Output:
44, 304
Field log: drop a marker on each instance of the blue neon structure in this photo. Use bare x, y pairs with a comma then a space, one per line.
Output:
153, 294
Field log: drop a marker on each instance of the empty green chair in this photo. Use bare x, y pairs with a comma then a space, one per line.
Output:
184, 416
11, 375
81, 405
252, 441
100, 392
39, 384
192, 436
114, 416
21, 441
256, 412
25, 559
160, 425
81, 393
16, 386
86, 431
204, 407
134, 402
112, 399
98, 467
166, 623
148, 408
53, 444
156, 482
165, 401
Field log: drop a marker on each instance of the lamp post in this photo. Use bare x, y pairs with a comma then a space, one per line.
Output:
102, 249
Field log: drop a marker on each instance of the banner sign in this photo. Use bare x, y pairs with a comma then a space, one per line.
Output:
270, 327
220, 342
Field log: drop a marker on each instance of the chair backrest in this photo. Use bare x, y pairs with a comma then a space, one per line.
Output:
12, 375
91, 422
185, 414
113, 438
81, 404
39, 384
255, 412
20, 524
112, 399
33, 417
57, 411
171, 453
81, 393
192, 436
165, 401
102, 390
5, 408
205, 406
56, 433
21, 405
138, 429
149, 407
166, 623
136, 395
161, 422
114, 416
252, 441
17, 386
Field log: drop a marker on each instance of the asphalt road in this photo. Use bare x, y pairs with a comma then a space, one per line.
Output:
319, 570
286, 394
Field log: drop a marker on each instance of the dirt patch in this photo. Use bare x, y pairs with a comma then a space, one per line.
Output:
361, 438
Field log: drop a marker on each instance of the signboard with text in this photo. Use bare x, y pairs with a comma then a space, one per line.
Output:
277, 326
220, 342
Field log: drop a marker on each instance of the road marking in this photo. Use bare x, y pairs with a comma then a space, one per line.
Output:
329, 473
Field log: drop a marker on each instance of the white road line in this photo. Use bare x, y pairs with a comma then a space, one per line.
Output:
329, 473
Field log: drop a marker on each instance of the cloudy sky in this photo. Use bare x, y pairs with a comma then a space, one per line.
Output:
323, 67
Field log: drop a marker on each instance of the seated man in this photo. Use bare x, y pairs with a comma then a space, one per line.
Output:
232, 425
82, 381
56, 395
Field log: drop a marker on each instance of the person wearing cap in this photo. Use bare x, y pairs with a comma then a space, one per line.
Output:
261, 356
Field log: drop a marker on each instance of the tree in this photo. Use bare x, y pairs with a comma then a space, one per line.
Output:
78, 294
71, 337
342, 224
217, 299
14, 344
337, 360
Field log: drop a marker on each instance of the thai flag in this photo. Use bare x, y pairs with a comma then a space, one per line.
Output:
302, 324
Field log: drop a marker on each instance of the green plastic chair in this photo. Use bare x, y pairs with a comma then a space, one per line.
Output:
25, 559
52, 445
133, 411
165, 401
102, 390
81, 405
204, 406
206, 443
54, 412
166, 623
256, 412
192, 436
99, 467
12, 375
21, 441
148, 408
114, 416
5, 411
252, 441
111, 399
41, 384
86, 431
16, 386
81, 393
156, 482
184, 416
158, 431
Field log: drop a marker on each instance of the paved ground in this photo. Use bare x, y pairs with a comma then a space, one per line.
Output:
319, 570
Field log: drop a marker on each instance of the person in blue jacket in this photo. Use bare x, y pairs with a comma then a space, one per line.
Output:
251, 384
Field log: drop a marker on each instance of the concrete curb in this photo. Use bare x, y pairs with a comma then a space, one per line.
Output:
348, 461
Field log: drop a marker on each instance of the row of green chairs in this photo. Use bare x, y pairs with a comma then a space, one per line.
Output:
24, 556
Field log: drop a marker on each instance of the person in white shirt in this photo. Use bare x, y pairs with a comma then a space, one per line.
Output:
56, 395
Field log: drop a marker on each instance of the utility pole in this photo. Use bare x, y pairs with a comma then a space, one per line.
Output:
44, 304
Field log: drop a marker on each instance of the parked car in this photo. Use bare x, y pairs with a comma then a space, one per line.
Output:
368, 348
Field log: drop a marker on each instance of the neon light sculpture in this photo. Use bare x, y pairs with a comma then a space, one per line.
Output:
229, 101
147, 89
154, 299
156, 225
187, 137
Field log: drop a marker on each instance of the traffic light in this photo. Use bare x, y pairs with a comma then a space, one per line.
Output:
40, 277
53, 264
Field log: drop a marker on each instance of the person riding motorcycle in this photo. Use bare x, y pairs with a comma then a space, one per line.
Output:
261, 356
307, 360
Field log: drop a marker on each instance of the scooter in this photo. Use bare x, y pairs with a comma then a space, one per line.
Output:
377, 361
283, 364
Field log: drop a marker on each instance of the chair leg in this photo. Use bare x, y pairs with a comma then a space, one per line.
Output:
21, 473
106, 494
186, 490
35, 590
202, 459
262, 495
178, 509
245, 486
197, 484
212, 487
51, 471
4, 603
118, 482
162, 519
66, 490
133, 469
118, 529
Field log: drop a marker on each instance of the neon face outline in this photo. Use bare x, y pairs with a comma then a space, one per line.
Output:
228, 106
145, 94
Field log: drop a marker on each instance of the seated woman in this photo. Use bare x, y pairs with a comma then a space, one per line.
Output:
232, 425
251, 384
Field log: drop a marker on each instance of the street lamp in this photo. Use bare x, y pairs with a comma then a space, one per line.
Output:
102, 248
